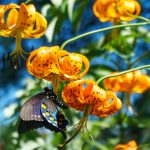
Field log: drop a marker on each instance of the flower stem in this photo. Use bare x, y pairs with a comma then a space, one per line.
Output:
28, 1
128, 103
80, 126
104, 29
55, 81
121, 73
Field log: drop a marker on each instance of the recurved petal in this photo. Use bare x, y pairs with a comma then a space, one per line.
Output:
114, 83
70, 64
6, 33
100, 11
92, 93
141, 84
26, 17
109, 106
71, 95
131, 145
82, 93
104, 10
128, 9
3, 9
40, 27
12, 18
43, 61
85, 63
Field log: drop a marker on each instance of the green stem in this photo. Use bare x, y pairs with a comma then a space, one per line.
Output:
28, 1
81, 123
138, 17
104, 29
121, 73
128, 103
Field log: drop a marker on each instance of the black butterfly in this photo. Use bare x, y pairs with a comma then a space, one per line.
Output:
42, 110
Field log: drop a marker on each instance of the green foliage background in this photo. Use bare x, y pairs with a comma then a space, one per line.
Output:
107, 53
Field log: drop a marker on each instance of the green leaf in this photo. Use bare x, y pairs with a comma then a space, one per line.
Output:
50, 29
77, 15
70, 8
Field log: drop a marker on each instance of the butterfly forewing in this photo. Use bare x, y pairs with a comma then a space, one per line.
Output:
31, 110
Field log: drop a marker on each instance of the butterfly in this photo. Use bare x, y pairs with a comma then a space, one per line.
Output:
42, 110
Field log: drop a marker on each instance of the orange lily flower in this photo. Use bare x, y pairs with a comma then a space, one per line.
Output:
54, 64
87, 96
105, 10
22, 22
131, 145
116, 10
133, 82
128, 9
82, 93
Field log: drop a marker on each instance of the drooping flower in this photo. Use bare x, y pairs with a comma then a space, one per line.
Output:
87, 96
22, 22
82, 93
133, 82
116, 10
54, 64
131, 145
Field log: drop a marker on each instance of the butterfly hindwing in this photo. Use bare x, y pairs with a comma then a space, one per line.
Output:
55, 117
62, 122
49, 111
26, 126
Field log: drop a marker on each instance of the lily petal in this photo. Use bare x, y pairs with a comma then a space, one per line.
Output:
41, 25
12, 18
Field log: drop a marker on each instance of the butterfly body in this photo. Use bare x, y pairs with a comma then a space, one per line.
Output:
42, 110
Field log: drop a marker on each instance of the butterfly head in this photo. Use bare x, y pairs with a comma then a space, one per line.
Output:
50, 93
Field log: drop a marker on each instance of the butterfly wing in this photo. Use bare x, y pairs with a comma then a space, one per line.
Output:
31, 108
62, 122
51, 113
41, 111
25, 126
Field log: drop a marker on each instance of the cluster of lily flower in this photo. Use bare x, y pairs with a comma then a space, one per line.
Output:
55, 65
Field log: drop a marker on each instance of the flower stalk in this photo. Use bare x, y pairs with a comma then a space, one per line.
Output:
80, 125
121, 73
55, 82
128, 102
103, 29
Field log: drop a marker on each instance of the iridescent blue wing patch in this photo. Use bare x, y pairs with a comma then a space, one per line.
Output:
49, 112
53, 116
